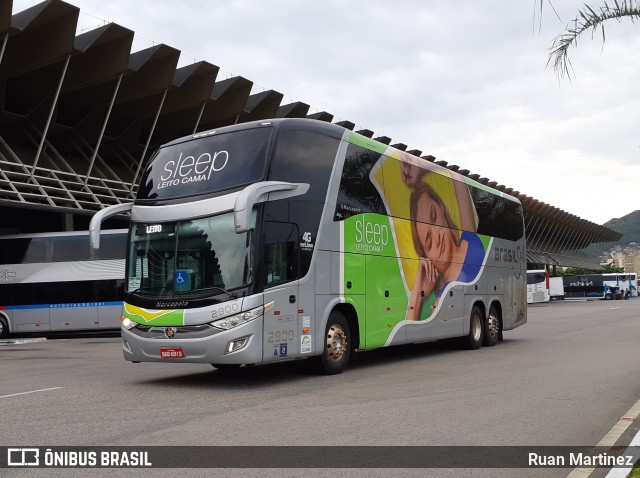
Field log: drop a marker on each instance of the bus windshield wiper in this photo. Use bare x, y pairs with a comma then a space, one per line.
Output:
232, 295
141, 289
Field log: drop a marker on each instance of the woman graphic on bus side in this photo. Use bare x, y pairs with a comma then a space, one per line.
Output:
445, 254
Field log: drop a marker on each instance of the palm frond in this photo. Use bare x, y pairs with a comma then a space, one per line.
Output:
589, 18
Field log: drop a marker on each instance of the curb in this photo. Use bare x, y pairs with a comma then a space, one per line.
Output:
21, 341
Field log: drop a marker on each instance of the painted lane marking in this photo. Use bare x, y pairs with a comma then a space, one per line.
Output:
614, 308
32, 391
624, 472
612, 437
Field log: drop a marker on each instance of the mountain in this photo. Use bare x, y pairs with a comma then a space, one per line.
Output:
628, 225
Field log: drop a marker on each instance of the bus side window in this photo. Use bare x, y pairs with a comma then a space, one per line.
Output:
280, 253
112, 246
25, 251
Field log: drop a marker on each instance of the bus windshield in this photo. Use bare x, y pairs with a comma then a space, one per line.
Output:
208, 165
188, 259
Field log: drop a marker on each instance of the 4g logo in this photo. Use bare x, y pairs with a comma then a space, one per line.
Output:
307, 245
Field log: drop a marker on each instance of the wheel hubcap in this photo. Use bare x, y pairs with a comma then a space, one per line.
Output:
477, 330
336, 343
493, 325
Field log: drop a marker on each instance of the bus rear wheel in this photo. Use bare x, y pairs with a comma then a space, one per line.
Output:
4, 328
492, 328
337, 346
474, 339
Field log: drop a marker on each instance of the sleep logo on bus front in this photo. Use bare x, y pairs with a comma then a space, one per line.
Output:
191, 170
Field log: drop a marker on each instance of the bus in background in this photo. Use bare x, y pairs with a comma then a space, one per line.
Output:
556, 288
621, 282
600, 286
294, 238
538, 286
49, 282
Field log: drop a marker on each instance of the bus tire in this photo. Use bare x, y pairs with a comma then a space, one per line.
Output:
473, 341
491, 328
336, 346
4, 328
608, 297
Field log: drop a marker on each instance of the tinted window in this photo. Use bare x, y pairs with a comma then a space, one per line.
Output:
280, 253
72, 248
497, 216
206, 165
357, 193
298, 217
23, 251
303, 157
112, 246
64, 292
109, 290
536, 277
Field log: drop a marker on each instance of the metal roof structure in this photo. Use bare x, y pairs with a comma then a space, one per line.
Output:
80, 115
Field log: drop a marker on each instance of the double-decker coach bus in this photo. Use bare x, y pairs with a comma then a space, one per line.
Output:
50, 283
294, 238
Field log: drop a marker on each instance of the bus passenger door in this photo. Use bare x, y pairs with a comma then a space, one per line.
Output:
281, 286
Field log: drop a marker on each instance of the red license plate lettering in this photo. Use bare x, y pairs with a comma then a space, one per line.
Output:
171, 352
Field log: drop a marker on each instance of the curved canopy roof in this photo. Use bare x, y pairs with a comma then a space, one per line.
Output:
79, 116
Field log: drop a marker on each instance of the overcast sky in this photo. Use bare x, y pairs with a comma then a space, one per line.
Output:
465, 81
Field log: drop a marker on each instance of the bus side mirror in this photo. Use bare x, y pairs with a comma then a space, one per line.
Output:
261, 192
99, 217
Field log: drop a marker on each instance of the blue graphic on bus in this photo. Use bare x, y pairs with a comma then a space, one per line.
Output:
183, 280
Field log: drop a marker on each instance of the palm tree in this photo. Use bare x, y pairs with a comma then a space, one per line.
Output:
588, 18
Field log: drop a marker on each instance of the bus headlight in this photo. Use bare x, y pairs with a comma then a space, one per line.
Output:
238, 319
128, 323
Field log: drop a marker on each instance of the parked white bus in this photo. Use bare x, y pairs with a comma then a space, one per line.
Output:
538, 286
49, 282
556, 288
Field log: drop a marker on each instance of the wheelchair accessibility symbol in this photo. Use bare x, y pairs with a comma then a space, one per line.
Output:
181, 278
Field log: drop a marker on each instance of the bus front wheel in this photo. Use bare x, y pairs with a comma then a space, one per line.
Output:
474, 339
337, 346
4, 328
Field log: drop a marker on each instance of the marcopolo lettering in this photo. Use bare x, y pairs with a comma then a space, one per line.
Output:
190, 169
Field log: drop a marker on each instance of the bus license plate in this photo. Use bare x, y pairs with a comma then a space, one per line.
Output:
171, 352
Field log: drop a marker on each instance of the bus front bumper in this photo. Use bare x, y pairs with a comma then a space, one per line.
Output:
240, 345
